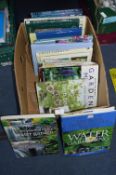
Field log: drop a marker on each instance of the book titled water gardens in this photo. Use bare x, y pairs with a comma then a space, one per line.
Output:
87, 133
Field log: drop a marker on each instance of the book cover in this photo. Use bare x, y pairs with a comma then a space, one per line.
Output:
64, 57
87, 133
38, 24
88, 71
60, 73
68, 95
32, 135
58, 33
32, 24
65, 71
57, 13
86, 39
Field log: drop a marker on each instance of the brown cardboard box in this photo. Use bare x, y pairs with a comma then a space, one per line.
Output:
25, 79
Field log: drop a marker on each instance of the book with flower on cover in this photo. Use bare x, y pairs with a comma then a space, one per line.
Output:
32, 135
68, 95
77, 90
65, 78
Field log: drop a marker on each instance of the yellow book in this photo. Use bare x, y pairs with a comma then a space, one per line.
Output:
113, 77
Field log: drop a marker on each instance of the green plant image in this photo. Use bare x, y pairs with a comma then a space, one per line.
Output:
91, 140
33, 136
62, 73
68, 94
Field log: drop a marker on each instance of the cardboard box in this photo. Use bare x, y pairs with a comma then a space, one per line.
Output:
25, 79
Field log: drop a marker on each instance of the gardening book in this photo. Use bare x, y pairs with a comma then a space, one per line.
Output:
72, 91
78, 81
87, 132
32, 135
66, 70
68, 95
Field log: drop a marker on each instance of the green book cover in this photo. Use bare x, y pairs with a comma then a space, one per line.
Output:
50, 24
32, 135
89, 140
61, 73
87, 133
68, 94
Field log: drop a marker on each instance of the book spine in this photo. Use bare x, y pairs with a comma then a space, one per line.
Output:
91, 74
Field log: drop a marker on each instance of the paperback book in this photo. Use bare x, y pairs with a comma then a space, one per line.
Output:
87, 132
32, 135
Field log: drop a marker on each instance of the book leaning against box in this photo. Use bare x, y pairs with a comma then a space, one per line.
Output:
31, 135
67, 86
88, 131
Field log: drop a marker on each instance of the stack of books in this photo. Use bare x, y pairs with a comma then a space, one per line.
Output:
62, 60
7, 32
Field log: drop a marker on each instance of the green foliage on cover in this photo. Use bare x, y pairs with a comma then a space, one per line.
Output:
32, 136
87, 140
52, 95
61, 73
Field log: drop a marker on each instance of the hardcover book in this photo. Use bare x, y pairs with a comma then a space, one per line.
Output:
57, 13
86, 73
57, 33
86, 40
70, 95
34, 24
32, 135
67, 70
87, 132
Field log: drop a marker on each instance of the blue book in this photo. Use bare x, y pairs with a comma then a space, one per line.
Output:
57, 13
59, 33
87, 133
2, 26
